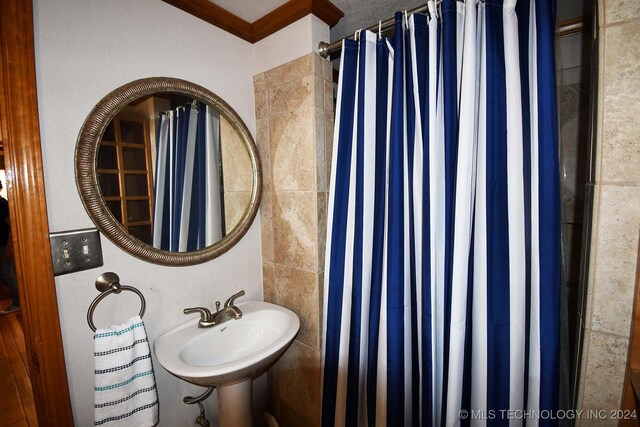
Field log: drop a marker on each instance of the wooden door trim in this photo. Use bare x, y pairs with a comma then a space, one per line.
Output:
631, 391
28, 211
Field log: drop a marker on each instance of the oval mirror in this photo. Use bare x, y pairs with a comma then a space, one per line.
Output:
168, 171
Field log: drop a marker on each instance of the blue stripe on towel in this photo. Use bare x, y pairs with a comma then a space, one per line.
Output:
119, 417
117, 350
128, 365
123, 331
124, 399
133, 378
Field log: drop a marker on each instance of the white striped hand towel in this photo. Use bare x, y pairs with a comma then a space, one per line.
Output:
125, 386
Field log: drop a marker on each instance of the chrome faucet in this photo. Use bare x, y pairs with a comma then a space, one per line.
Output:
205, 316
228, 312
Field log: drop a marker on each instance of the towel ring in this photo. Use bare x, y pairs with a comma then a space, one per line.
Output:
109, 283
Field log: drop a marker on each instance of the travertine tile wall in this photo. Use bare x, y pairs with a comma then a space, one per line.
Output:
616, 213
294, 121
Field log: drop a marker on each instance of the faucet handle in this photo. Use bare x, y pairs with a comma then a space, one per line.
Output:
232, 299
205, 314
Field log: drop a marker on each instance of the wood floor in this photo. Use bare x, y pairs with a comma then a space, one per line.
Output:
16, 397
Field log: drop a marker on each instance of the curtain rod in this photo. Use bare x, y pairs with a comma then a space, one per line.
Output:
325, 49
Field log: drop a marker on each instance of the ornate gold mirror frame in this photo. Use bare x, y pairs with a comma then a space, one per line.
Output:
87, 179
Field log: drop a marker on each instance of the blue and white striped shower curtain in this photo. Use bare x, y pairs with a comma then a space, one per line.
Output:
442, 275
188, 205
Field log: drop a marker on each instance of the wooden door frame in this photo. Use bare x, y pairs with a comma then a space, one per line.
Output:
631, 387
28, 212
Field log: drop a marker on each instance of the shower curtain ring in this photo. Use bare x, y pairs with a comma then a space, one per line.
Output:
379, 30
356, 36
406, 19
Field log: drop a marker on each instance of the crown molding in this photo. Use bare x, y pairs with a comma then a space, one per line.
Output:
272, 22
215, 15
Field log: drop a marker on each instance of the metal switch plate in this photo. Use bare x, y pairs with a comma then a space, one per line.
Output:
75, 250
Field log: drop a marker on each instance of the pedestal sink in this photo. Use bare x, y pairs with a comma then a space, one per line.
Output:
229, 355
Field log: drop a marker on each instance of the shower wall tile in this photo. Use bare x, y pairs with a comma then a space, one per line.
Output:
615, 212
328, 149
269, 282
264, 150
266, 206
292, 70
584, 359
318, 65
294, 129
604, 372
328, 95
621, 127
292, 95
293, 152
260, 82
266, 224
321, 303
299, 370
327, 69
262, 104
619, 10
321, 128
614, 282
321, 209
291, 417
298, 291
295, 229
318, 89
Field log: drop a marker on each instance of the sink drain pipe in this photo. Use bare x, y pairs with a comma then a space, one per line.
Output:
201, 420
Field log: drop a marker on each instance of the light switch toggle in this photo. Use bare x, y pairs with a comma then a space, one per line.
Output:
65, 253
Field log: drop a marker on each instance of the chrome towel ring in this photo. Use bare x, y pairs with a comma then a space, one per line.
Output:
109, 283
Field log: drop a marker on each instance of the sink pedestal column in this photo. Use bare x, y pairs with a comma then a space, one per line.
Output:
234, 405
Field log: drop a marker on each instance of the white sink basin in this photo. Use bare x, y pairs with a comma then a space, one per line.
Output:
229, 353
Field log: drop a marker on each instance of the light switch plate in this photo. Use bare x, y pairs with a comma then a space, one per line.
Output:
75, 250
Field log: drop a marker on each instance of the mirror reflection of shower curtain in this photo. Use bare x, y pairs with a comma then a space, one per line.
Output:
188, 210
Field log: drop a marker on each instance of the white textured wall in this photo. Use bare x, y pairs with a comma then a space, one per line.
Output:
84, 49
291, 42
